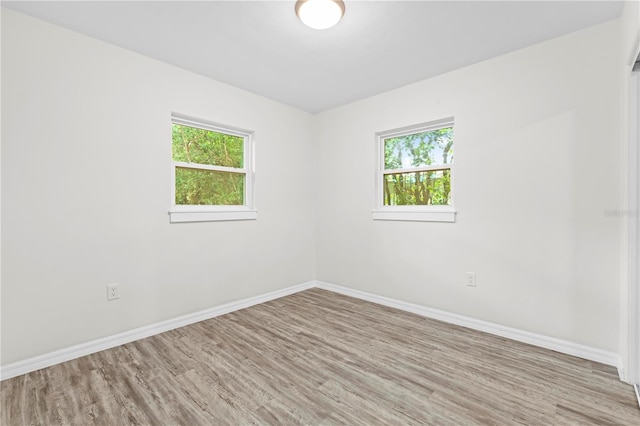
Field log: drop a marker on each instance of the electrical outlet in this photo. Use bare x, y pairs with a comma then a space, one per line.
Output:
113, 291
471, 279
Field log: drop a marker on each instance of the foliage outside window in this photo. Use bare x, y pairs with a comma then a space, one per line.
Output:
415, 173
211, 173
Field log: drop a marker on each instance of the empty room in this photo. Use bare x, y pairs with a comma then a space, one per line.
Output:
320, 212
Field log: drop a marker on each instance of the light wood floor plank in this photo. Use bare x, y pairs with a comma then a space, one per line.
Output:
320, 358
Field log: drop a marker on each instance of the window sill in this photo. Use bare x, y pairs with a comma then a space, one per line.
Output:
182, 214
439, 215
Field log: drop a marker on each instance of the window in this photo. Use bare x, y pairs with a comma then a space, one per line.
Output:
414, 173
212, 172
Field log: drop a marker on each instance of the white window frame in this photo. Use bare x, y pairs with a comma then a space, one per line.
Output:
410, 213
206, 213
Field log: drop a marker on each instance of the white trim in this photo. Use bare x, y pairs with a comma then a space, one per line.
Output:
197, 166
558, 345
42, 361
632, 357
199, 123
415, 216
32, 364
212, 213
637, 389
436, 168
417, 128
410, 213
185, 214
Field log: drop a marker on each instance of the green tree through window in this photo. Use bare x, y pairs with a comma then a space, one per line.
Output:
417, 168
209, 166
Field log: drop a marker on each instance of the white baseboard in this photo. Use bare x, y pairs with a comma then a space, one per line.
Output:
637, 388
32, 364
558, 345
36, 363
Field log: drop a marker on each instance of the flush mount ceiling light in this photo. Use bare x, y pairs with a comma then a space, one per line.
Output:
320, 14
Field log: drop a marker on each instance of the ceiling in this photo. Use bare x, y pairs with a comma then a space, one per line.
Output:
262, 47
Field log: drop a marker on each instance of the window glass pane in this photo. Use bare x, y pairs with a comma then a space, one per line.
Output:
431, 148
418, 188
208, 187
193, 145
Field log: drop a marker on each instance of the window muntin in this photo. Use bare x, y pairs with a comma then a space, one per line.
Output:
431, 187
211, 171
205, 146
208, 187
415, 170
430, 148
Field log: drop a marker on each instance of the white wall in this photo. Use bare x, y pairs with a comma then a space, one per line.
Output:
629, 302
630, 27
536, 153
86, 190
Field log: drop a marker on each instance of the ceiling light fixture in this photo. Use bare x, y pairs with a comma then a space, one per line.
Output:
320, 14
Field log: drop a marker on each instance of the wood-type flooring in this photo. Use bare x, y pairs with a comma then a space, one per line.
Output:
320, 358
